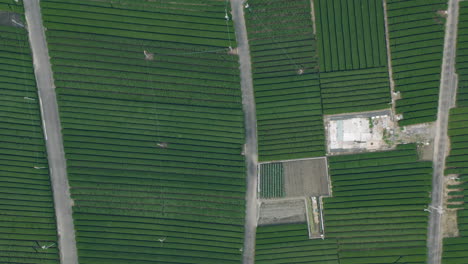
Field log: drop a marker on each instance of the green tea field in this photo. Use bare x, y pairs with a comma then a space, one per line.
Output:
377, 210
285, 78
351, 34
416, 42
153, 133
457, 163
353, 56
27, 218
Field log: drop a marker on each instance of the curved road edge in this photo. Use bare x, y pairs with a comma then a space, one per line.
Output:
52, 133
250, 121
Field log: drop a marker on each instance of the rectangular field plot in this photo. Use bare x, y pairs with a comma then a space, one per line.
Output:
285, 79
350, 34
294, 178
282, 211
376, 212
455, 249
306, 178
457, 164
462, 56
27, 218
271, 180
416, 32
153, 132
355, 90
290, 244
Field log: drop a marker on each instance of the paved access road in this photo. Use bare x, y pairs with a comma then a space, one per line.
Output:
251, 150
448, 88
52, 131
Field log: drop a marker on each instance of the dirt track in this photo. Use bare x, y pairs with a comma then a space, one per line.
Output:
53, 135
251, 150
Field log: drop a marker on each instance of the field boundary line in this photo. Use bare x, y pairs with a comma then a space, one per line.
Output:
52, 133
288, 160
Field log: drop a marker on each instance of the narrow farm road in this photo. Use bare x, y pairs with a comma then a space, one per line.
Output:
251, 150
448, 88
52, 131
389, 61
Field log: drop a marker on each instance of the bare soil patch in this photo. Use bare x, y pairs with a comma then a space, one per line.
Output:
282, 211
306, 178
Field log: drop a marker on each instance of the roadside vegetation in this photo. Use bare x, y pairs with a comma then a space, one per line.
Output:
351, 34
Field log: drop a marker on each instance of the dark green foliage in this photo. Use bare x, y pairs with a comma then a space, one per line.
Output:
153, 145
355, 90
462, 56
285, 78
271, 180
416, 42
350, 34
290, 244
376, 212
27, 217
457, 163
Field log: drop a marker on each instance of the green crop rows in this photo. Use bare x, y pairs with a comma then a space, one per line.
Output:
289, 244
462, 56
355, 90
271, 180
153, 142
416, 39
27, 219
12, 6
351, 34
285, 78
457, 162
376, 212
353, 57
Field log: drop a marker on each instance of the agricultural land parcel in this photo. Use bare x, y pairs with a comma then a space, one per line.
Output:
350, 34
153, 133
294, 178
353, 57
27, 219
416, 31
457, 162
285, 78
375, 215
